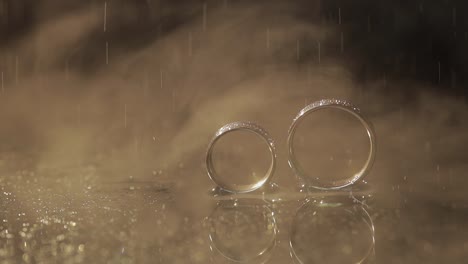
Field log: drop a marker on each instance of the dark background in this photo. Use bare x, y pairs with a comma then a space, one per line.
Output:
403, 40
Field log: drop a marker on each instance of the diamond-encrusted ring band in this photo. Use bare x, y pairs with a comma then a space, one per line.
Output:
246, 126
337, 104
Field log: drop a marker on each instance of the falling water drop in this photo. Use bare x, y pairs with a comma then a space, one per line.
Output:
268, 39
319, 52
339, 15
438, 66
361, 93
385, 80
105, 16
173, 99
107, 53
16, 69
450, 176
159, 30
204, 15
401, 115
136, 147
79, 114
161, 78
145, 84
125, 116
453, 79
66, 71
298, 50
368, 24
341, 42
190, 44
428, 147
454, 16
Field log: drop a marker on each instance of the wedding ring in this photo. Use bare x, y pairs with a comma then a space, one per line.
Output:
229, 128
330, 225
242, 231
324, 104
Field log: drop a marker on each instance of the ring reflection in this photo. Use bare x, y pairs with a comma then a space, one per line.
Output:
242, 231
332, 230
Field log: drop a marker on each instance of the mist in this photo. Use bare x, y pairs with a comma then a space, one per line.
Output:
102, 93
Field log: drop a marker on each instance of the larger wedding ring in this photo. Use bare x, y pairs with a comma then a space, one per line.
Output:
314, 181
250, 127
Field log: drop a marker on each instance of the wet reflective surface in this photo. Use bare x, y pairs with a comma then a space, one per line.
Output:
336, 229
145, 222
243, 230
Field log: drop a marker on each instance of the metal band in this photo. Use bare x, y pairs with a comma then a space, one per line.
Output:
337, 104
247, 126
